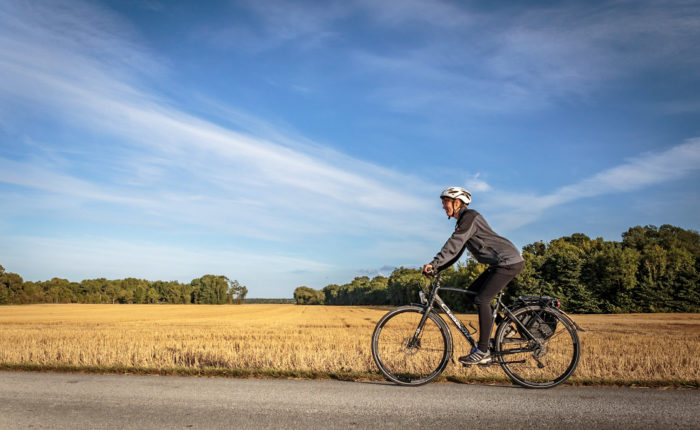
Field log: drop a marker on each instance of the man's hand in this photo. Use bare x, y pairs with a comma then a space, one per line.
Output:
428, 270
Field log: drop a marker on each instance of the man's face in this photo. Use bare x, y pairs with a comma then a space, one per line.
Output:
448, 205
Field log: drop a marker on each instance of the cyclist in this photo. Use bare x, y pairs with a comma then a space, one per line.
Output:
504, 260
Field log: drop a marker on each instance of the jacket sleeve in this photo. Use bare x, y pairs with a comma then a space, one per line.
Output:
455, 245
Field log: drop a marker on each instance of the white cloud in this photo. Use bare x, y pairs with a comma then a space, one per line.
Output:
461, 57
519, 58
275, 23
475, 184
645, 170
436, 13
126, 153
170, 163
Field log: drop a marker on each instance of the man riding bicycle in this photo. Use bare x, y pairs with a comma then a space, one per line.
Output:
504, 260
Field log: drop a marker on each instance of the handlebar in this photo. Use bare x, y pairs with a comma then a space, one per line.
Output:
436, 276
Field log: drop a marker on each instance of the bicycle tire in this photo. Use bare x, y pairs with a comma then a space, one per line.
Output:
416, 365
538, 367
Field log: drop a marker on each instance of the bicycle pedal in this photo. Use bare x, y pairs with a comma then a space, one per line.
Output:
490, 363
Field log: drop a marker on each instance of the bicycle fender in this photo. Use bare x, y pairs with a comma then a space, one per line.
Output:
576, 326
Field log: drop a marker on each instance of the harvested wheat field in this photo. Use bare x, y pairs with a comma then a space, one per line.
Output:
309, 341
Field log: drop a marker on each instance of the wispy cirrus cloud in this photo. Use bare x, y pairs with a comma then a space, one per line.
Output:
276, 24
645, 170
168, 161
132, 182
483, 58
94, 135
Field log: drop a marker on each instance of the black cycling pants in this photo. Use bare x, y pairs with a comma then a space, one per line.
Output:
487, 286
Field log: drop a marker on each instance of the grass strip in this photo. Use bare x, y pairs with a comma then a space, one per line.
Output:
192, 371
340, 376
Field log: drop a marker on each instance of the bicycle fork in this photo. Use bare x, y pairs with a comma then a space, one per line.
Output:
427, 306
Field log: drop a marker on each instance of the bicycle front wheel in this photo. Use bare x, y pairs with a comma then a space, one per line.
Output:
538, 365
405, 360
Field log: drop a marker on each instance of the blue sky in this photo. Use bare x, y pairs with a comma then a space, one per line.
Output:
285, 143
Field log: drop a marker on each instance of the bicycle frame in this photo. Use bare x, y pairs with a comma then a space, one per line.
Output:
428, 304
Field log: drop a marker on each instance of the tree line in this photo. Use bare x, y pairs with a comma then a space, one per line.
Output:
653, 269
209, 289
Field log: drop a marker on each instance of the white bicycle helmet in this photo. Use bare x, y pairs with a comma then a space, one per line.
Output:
457, 193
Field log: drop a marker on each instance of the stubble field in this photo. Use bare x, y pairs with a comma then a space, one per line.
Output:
309, 341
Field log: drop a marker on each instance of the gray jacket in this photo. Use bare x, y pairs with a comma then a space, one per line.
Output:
473, 233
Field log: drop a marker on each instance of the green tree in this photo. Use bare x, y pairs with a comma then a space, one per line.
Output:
236, 292
132, 290
58, 291
666, 236
610, 272
562, 275
33, 292
210, 289
126, 296
403, 286
112, 289
169, 292
685, 295
555, 269
378, 292
185, 293
330, 294
308, 296
668, 268
152, 295
9, 284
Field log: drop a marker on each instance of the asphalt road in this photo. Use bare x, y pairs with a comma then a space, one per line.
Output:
70, 401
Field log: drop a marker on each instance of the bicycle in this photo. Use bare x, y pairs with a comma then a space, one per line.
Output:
535, 343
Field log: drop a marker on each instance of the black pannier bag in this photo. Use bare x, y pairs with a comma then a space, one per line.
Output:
542, 325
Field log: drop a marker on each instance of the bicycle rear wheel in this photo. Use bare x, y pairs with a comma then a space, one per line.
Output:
406, 363
529, 364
